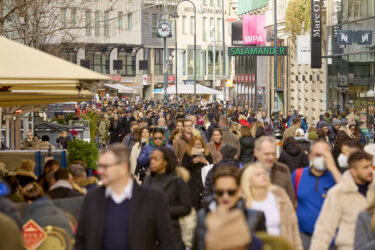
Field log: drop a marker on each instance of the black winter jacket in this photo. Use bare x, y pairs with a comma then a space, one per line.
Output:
294, 157
247, 149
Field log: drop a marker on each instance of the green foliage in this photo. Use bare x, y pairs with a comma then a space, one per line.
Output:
86, 152
298, 17
94, 121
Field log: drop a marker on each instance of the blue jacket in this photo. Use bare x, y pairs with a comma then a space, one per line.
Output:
303, 123
144, 157
43, 212
311, 193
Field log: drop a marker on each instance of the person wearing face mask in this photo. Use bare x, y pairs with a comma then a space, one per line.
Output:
347, 148
343, 204
311, 185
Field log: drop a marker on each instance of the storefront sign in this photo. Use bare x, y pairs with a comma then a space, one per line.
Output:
237, 38
253, 29
303, 50
158, 90
115, 77
316, 34
146, 79
187, 82
258, 51
171, 79
348, 37
33, 235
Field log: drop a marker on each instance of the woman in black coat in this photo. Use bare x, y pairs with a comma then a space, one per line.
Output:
247, 145
163, 177
197, 155
115, 130
292, 155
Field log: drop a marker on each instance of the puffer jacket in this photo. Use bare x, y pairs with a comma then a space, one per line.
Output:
247, 149
340, 211
294, 157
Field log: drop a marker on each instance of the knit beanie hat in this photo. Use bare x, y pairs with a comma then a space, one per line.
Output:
336, 122
227, 229
323, 124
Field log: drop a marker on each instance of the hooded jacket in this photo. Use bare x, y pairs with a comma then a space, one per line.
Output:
340, 211
294, 157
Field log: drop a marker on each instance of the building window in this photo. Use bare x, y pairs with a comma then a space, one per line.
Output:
120, 25
154, 24
130, 21
183, 59
219, 3
204, 62
191, 62
88, 23
63, 17
219, 29
99, 62
205, 2
73, 13
128, 64
158, 61
212, 29
204, 35
184, 25
106, 23
192, 23
229, 28
212, 2
97, 25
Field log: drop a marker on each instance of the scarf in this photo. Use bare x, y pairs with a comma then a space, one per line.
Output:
197, 151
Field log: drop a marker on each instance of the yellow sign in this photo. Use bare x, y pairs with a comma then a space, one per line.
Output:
229, 83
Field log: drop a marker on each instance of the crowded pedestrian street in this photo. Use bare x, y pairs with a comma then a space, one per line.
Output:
187, 125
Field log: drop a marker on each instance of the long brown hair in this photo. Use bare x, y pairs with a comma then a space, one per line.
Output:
191, 145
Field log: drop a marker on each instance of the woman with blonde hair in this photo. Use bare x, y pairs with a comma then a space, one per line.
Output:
235, 128
260, 194
197, 155
257, 129
25, 174
365, 229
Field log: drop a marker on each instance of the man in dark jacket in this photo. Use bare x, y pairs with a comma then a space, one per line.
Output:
125, 123
62, 187
229, 159
265, 154
126, 216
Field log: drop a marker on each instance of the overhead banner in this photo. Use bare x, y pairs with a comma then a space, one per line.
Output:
237, 38
348, 37
253, 29
303, 50
316, 34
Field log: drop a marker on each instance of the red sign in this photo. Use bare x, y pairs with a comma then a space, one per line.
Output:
171, 79
115, 77
253, 77
33, 235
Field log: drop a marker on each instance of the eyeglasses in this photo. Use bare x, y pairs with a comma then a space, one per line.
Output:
230, 192
158, 138
105, 166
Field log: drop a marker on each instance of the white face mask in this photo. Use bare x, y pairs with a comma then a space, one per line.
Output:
343, 161
319, 164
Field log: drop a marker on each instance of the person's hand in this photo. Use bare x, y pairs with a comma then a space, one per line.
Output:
196, 159
330, 162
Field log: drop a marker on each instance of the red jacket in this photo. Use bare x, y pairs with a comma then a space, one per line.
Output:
244, 122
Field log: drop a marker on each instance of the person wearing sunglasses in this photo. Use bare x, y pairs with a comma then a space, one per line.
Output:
260, 194
227, 194
143, 161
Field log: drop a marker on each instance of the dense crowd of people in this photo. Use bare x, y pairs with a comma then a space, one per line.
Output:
204, 176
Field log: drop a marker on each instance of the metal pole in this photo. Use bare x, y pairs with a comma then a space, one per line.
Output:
256, 85
175, 50
214, 54
276, 117
195, 52
224, 75
165, 73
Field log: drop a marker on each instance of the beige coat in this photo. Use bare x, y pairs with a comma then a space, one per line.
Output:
136, 150
216, 155
340, 211
44, 145
179, 147
288, 218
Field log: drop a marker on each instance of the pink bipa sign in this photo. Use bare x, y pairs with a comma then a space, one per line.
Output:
253, 30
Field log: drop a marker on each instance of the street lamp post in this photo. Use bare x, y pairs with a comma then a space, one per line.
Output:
175, 16
225, 85
195, 44
276, 115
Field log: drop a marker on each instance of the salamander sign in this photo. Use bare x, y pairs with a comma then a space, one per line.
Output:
258, 51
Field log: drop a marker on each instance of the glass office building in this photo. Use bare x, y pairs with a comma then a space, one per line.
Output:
351, 65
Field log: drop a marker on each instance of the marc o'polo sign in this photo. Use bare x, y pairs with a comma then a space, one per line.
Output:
316, 34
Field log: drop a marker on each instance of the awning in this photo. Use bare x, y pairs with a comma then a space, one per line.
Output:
189, 89
121, 88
